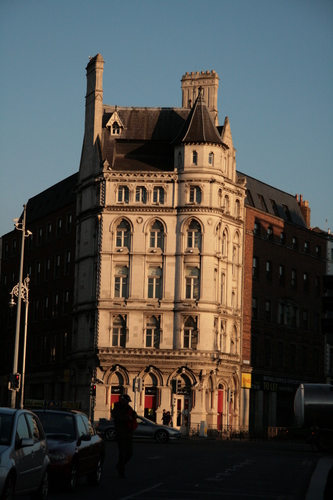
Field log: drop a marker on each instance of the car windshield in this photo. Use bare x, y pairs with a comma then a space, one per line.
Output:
6, 422
56, 423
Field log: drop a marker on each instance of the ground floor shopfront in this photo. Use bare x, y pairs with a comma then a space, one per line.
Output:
198, 393
272, 402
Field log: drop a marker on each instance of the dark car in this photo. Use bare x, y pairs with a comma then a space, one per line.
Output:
24, 461
146, 429
74, 447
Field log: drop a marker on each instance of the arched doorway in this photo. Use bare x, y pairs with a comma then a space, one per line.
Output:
151, 393
117, 389
182, 403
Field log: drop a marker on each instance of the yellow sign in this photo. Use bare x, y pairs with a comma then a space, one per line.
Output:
246, 380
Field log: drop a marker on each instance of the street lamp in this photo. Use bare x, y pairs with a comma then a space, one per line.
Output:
21, 227
25, 297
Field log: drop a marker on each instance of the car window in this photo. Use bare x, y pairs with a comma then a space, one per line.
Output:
34, 427
22, 430
6, 422
81, 427
140, 421
91, 430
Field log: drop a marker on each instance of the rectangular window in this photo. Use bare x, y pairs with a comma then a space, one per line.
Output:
69, 223
154, 283
195, 194
190, 338
306, 282
282, 238
269, 271
67, 262
140, 194
293, 278
317, 285
57, 266
306, 247
262, 203
47, 269
256, 228
38, 272
55, 311
295, 242
254, 308
192, 283
268, 311
255, 267
281, 275
158, 195
120, 289
59, 225
123, 194
269, 233
53, 348
118, 336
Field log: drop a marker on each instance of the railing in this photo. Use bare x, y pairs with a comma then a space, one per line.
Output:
244, 432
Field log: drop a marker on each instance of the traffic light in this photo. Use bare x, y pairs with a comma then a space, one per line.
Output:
16, 381
93, 390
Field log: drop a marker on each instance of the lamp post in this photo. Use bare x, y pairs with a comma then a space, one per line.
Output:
25, 298
21, 227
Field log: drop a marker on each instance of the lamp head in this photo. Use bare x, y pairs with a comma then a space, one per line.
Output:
12, 302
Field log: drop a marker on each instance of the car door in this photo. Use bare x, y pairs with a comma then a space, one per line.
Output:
95, 444
23, 456
39, 446
144, 430
83, 446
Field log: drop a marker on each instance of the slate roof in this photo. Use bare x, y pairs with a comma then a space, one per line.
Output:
272, 200
52, 199
199, 126
145, 140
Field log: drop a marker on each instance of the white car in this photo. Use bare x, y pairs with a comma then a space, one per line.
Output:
24, 461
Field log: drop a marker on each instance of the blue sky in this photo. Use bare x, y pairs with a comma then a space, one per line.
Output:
274, 59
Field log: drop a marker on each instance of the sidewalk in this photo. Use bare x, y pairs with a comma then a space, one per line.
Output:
321, 484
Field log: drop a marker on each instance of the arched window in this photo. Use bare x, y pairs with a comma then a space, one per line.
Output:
153, 332
123, 235
211, 158
224, 243
237, 208
156, 235
195, 158
119, 332
190, 340
115, 128
194, 235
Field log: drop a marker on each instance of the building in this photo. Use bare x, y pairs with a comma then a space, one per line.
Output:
159, 262
284, 264
49, 264
194, 288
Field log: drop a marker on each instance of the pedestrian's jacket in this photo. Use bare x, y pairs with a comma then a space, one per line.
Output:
124, 419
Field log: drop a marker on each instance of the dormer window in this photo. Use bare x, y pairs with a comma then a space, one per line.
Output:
211, 159
195, 158
115, 124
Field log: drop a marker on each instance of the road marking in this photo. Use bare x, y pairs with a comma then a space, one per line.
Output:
142, 491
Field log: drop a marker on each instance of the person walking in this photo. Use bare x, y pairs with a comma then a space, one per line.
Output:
125, 423
166, 417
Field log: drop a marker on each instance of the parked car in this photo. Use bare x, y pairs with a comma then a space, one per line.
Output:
24, 461
74, 447
146, 429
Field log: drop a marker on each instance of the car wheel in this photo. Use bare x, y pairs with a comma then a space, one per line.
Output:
161, 436
9, 488
95, 477
73, 476
110, 434
43, 489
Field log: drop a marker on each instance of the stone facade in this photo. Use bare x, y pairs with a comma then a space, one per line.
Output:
159, 263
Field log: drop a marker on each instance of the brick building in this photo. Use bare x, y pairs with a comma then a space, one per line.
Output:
284, 264
49, 263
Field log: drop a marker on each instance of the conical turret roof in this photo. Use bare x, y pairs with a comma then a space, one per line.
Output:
199, 126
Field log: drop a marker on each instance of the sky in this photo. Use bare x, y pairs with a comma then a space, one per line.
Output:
274, 59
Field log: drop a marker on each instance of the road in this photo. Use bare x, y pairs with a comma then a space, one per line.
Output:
200, 469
